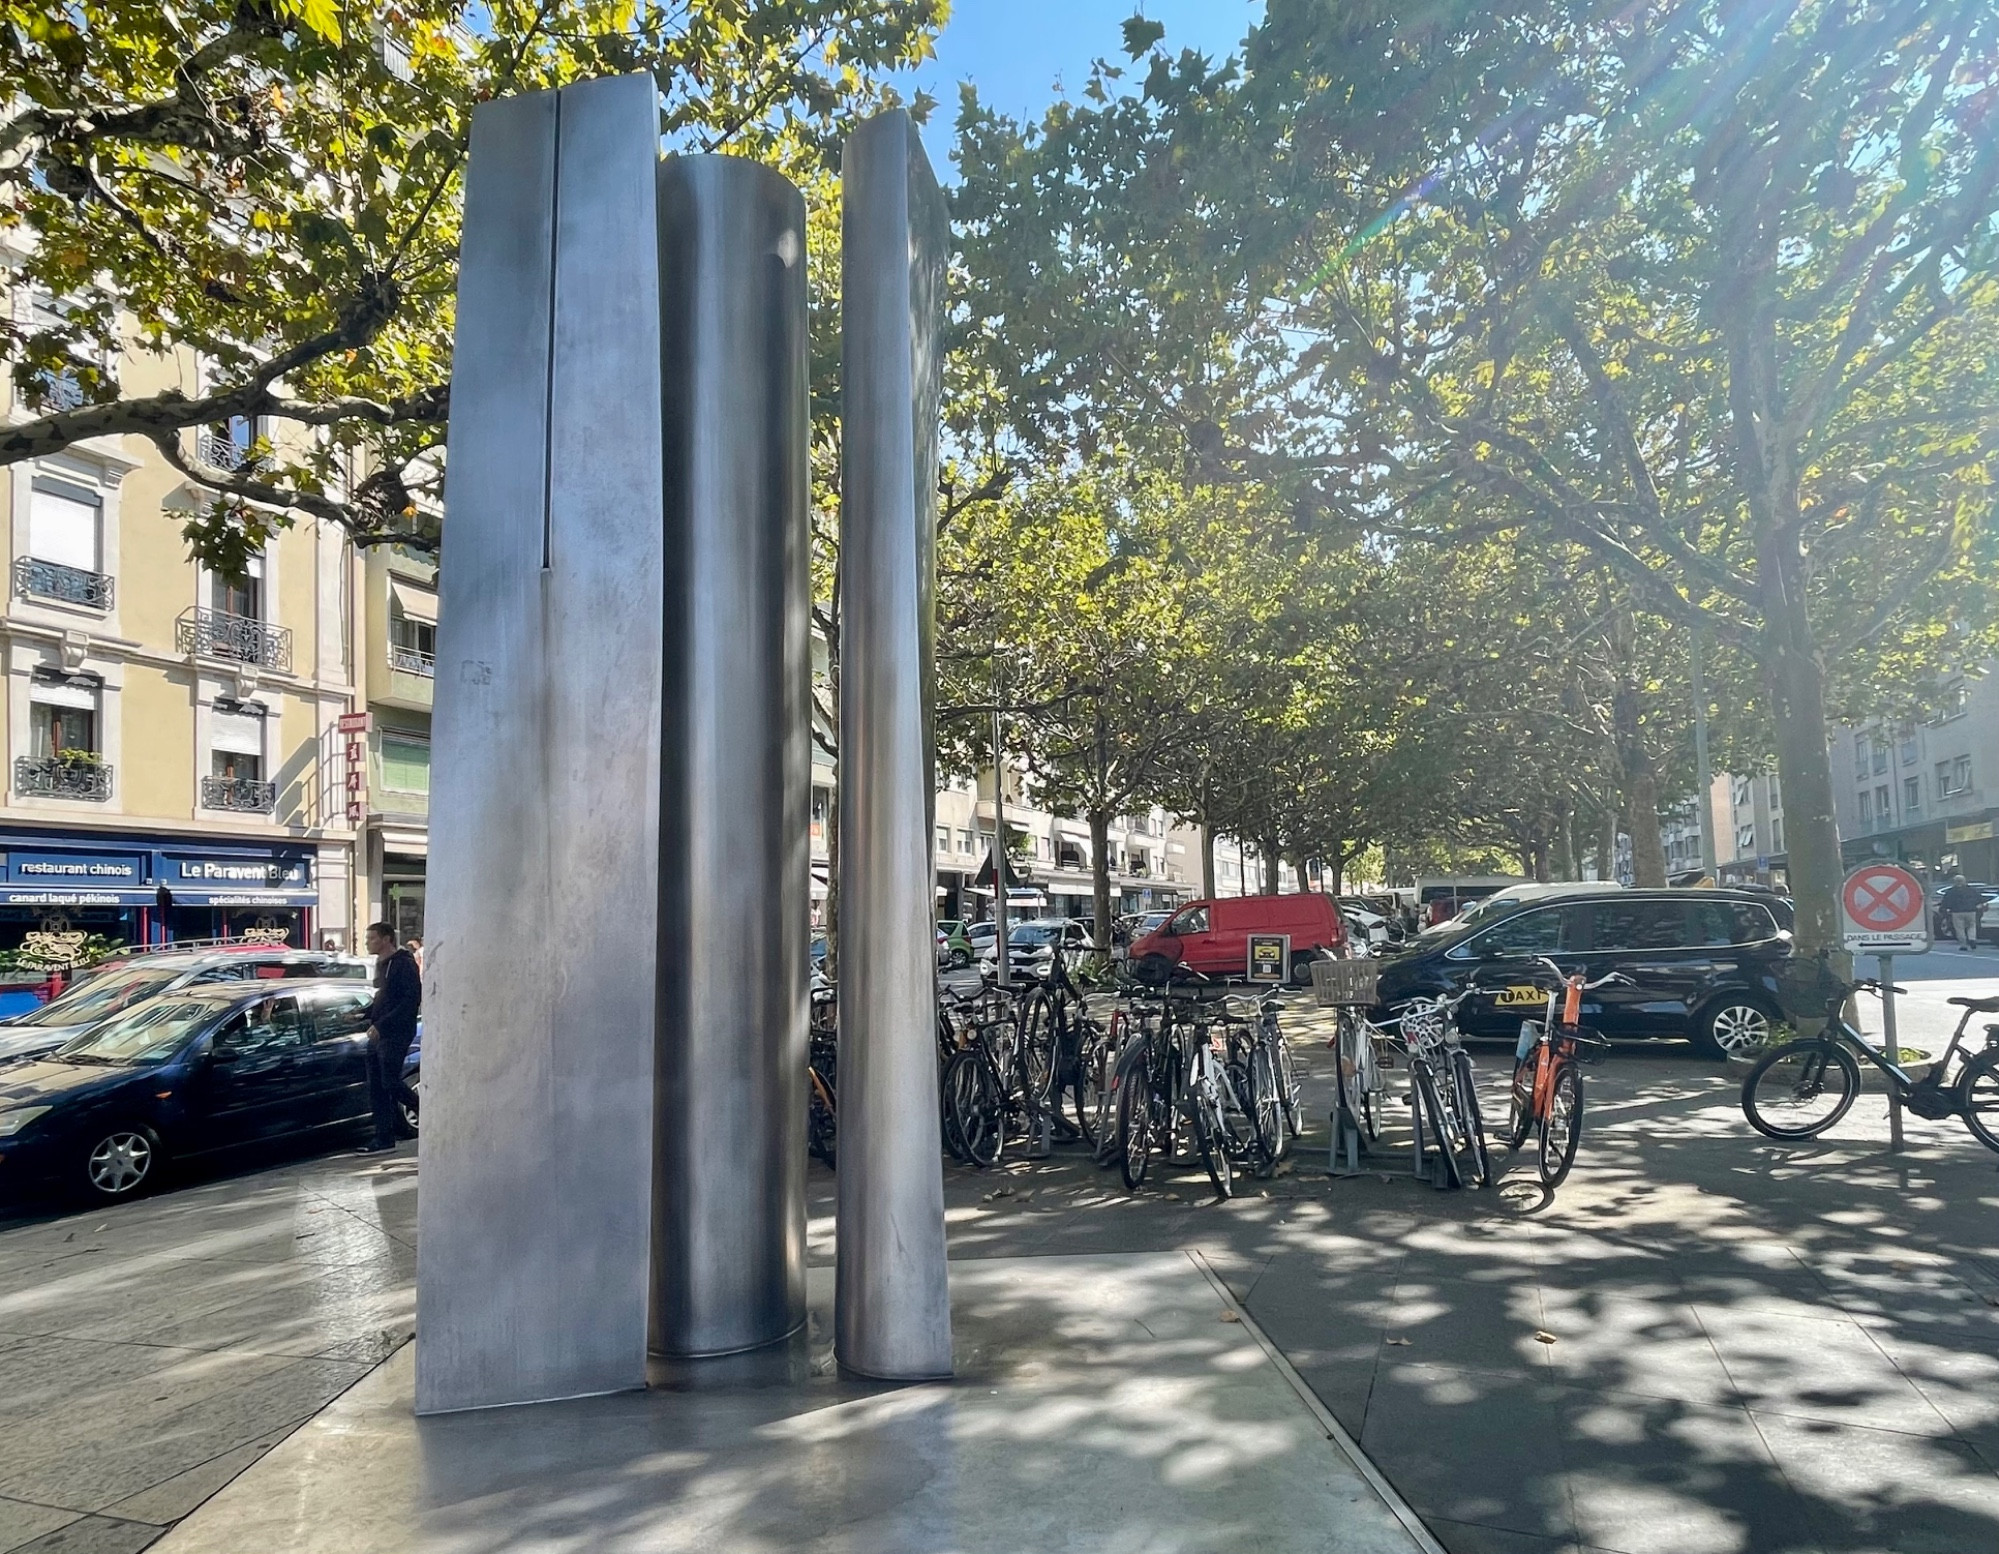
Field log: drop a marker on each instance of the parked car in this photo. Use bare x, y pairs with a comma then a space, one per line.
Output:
1702, 964
120, 985
1485, 908
954, 945
982, 936
1212, 937
1033, 945
183, 1075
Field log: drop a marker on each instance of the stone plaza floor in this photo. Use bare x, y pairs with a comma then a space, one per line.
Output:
1706, 1343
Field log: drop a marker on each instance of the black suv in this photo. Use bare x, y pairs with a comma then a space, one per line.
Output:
1702, 964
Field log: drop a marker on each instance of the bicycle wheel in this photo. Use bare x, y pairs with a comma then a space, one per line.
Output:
1266, 1111
1520, 1104
1352, 1066
1287, 1088
1212, 1137
1562, 1128
1433, 1120
1135, 1123
1040, 1029
1472, 1118
1978, 1093
1800, 1089
981, 1108
1092, 1085
820, 1137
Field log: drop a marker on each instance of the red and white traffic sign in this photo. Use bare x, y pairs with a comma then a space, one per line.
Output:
1883, 910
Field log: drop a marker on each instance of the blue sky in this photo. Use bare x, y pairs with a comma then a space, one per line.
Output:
1015, 50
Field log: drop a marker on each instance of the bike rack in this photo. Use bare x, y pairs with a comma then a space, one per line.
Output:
1349, 1140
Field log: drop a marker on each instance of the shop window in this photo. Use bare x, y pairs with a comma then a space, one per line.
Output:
405, 764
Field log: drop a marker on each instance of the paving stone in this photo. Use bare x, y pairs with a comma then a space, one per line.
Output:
94, 1535
22, 1522
171, 1499
1878, 1489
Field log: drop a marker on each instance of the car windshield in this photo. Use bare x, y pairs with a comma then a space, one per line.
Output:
1035, 933
148, 1034
101, 996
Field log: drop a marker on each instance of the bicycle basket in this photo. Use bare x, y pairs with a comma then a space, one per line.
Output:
1807, 987
1337, 982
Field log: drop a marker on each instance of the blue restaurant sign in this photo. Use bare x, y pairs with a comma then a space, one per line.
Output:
44, 870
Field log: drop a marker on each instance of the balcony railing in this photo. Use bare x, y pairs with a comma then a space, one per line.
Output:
218, 451
39, 579
409, 660
219, 634
244, 793
59, 777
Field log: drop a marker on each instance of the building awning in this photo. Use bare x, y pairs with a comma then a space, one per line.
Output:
416, 603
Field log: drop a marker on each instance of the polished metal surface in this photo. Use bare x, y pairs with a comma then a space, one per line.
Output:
544, 858
892, 1308
729, 1188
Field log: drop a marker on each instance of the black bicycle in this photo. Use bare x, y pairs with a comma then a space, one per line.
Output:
1802, 1088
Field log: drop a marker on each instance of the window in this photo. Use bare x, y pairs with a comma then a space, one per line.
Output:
412, 626
267, 1030
1912, 794
1639, 925
1745, 836
1529, 933
244, 596
1952, 703
1880, 756
1908, 748
1866, 804
1741, 791
343, 1015
236, 744
1777, 834
1776, 793
1953, 776
405, 764
964, 841
1860, 755
61, 720
1193, 920
1881, 808
943, 839
1715, 923
63, 525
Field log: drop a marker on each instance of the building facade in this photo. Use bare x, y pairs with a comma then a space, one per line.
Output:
1925, 792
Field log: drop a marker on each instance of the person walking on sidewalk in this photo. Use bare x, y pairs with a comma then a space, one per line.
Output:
391, 1029
1963, 903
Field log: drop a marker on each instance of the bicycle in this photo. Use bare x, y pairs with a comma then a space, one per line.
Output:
1551, 1097
823, 1051
1231, 1093
1356, 1045
1804, 1087
1443, 1087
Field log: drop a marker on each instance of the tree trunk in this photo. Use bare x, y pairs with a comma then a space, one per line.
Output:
1207, 862
1606, 845
1333, 870
1272, 866
1100, 876
1796, 677
1634, 761
1565, 846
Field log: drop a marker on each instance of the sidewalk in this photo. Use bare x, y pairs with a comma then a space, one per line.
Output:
1758, 1349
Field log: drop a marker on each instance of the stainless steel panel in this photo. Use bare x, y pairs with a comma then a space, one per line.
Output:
729, 1189
538, 1061
892, 1315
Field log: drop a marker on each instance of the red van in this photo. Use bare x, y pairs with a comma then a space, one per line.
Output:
1213, 936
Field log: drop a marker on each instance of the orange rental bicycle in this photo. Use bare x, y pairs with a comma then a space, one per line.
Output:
1547, 1073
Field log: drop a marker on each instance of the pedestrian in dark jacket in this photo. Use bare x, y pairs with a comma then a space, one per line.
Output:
1963, 903
391, 1029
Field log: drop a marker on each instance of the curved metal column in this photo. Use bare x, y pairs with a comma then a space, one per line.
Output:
544, 866
892, 1314
729, 1158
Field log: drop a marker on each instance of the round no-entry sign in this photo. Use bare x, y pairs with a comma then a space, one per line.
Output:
1882, 908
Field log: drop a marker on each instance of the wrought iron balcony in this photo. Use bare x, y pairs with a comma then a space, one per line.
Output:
218, 634
38, 579
219, 451
62, 777
409, 660
244, 793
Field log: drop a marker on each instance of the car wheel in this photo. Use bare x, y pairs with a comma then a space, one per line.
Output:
960, 960
1734, 1026
121, 1162
407, 1112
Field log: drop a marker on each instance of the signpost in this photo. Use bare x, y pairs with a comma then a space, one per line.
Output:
1884, 912
1270, 957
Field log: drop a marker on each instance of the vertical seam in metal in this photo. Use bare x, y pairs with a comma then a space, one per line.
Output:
548, 385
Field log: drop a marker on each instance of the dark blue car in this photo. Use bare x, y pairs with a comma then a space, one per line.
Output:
182, 1076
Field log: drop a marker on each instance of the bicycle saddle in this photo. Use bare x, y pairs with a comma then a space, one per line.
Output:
1981, 1005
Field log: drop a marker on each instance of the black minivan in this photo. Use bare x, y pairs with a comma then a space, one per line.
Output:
1702, 964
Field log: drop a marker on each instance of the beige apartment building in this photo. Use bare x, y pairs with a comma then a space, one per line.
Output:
176, 761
